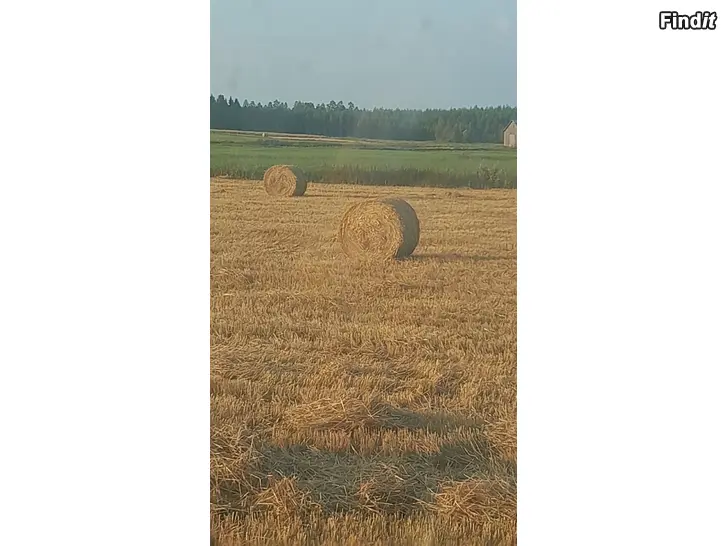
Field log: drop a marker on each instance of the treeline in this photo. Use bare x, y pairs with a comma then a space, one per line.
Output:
338, 120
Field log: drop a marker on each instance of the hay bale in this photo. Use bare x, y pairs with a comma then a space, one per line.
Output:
284, 181
380, 229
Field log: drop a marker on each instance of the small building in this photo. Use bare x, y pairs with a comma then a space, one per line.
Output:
509, 135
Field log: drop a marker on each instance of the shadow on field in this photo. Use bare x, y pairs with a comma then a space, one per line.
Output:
354, 414
341, 195
452, 258
306, 470
346, 481
319, 196
403, 419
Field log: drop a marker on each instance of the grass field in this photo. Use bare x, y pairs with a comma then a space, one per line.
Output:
355, 404
365, 162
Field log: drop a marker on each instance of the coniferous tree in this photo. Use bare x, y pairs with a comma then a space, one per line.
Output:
339, 120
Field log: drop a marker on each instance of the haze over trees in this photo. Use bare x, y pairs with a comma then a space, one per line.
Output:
336, 119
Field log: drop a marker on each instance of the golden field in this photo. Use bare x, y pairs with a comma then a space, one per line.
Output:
356, 403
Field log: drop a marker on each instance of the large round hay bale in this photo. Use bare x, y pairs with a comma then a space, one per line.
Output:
380, 229
284, 181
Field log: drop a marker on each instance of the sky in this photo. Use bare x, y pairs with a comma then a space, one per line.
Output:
374, 53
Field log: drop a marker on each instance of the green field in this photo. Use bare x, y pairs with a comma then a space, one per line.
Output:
366, 162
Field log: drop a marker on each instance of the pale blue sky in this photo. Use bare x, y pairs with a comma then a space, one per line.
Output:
388, 53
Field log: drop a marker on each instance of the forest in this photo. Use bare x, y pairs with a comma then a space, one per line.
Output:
335, 119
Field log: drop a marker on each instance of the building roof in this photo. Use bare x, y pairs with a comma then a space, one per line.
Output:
512, 122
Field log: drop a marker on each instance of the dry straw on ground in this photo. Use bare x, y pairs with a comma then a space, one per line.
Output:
380, 229
283, 497
284, 181
476, 500
361, 405
340, 414
389, 489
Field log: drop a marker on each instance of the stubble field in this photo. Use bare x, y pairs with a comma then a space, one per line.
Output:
355, 403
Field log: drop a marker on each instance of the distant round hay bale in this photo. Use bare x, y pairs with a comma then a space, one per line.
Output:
284, 181
380, 229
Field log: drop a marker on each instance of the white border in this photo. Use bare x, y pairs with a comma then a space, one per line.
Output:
621, 275
105, 276
104, 221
